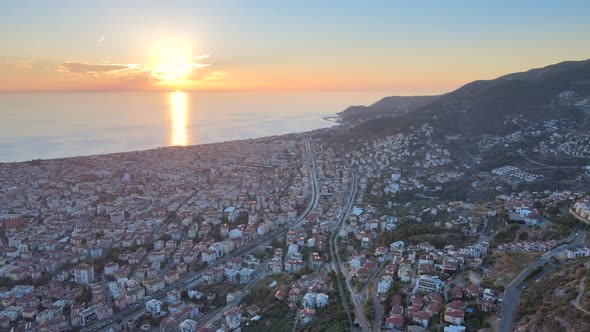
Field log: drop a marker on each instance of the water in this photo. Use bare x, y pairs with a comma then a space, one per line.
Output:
68, 124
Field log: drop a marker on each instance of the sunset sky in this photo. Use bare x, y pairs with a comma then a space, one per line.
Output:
408, 47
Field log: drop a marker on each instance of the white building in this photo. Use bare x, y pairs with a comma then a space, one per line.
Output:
188, 325
384, 284
154, 307
88, 316
321, 300
293, 249
246, 275
397, 246
577, 252
308, 300
84, 274
427, 284
233, 318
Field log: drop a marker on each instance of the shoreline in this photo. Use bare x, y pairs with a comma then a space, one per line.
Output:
334, 119
191, 146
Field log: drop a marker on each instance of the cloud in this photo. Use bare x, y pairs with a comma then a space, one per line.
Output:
201, 57
216, 75
197, 65
119, 75
142, 75
72, 67
100, 39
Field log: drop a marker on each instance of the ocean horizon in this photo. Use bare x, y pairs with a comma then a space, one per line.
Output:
46, 125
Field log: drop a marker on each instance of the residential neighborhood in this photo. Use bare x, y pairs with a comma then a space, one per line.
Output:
288, 231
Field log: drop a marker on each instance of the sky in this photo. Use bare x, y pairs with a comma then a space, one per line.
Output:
406, 47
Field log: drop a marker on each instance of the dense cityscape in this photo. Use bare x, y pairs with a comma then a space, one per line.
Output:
283, 233
294, 166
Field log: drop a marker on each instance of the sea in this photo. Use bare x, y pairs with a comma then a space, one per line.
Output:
68, 124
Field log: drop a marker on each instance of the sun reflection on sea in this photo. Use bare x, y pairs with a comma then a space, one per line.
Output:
179, 114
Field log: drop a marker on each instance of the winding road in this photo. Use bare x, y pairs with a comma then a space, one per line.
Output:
513, 292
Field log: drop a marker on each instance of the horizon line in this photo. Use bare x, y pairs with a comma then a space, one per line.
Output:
232, 91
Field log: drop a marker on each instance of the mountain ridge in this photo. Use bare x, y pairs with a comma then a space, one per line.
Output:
483, 106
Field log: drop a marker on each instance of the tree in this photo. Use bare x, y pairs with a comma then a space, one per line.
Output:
184, 295
85, 297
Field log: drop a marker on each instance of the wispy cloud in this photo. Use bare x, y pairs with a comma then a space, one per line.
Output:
142, 75
216, 75
202, 57
100, 39
73, 67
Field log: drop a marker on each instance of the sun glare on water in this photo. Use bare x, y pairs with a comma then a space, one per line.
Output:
179, 118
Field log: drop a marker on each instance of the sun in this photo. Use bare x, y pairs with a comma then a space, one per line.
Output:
173, 67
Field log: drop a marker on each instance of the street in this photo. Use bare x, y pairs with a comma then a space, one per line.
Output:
513, 292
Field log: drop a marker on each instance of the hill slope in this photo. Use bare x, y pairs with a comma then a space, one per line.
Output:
388, 107
558, 302
485, 107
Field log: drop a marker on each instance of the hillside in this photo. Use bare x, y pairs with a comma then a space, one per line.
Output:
487, 106
558, 302
386, 107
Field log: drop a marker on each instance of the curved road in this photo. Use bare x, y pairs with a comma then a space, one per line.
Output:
355, 297
514, 290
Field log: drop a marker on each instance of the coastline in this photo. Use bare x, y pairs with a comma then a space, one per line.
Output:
293, 135
81, 124
336, 119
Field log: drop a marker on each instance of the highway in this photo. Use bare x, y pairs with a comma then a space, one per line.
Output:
334, 264
514, 290
191, 280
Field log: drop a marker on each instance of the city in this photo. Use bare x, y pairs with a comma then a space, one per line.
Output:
281, 231
294, 166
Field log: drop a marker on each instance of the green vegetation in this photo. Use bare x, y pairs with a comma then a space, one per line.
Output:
536, 271
504, 236
546, 305
276, 317
476, 320
415, 232
331, 318
370, 310
85, 297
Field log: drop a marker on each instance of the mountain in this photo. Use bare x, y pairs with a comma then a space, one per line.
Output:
388, 107
486, 106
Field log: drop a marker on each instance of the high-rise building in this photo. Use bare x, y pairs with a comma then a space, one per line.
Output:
84, 274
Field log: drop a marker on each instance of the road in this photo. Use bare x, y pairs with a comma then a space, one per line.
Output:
378, 306
355, 297
514, 290
192, 279
334, 263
